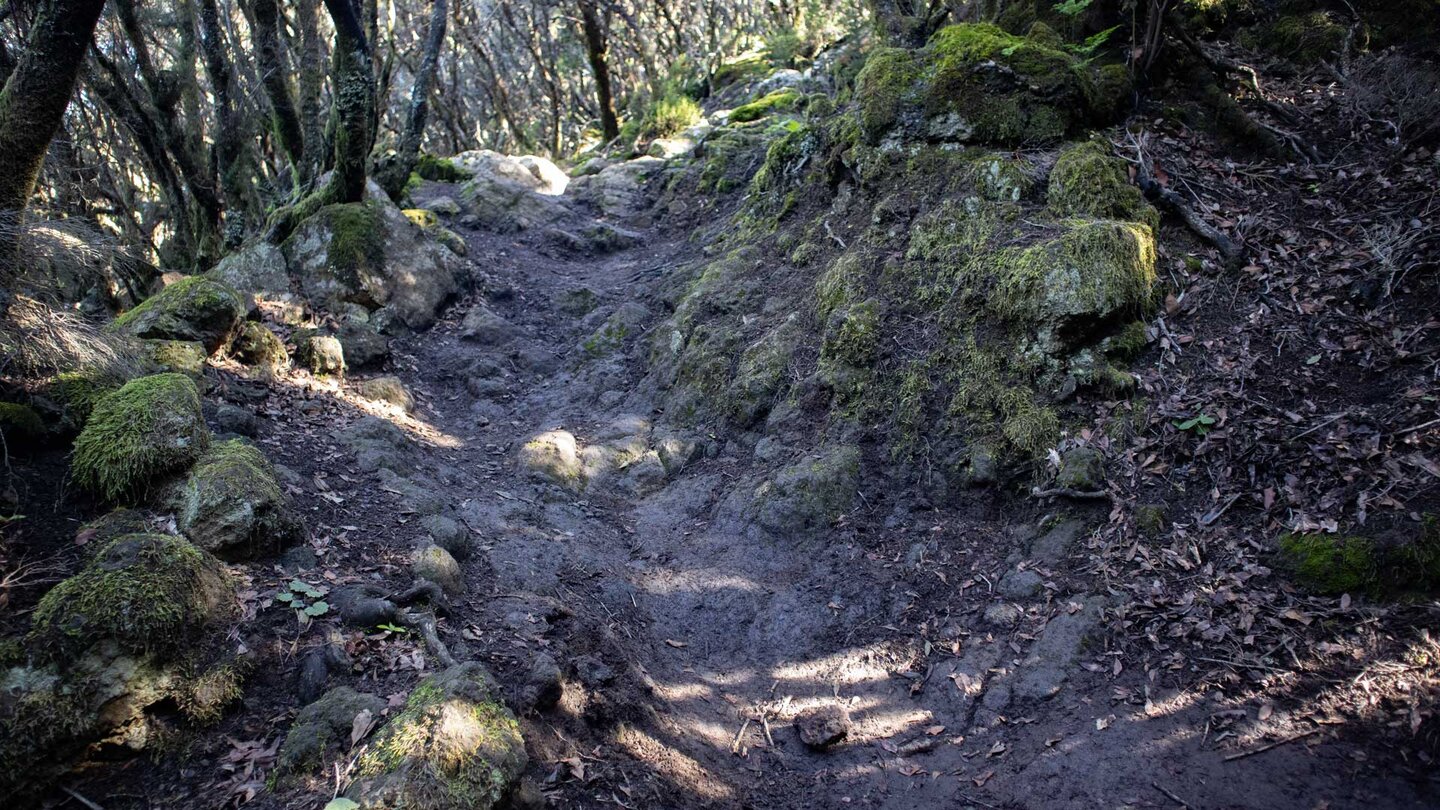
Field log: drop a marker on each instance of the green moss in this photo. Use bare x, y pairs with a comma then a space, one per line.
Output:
453, 745
180, 356
357, 241
1088, 182
422, 217
739, 70
98, 533
1150, 519
232, 505
805, 254
202, 698
730, 157
785, 160
79, 392
1094, 270
149, 428
952, 89
992, 400
779, 101
1128, 343
20, 425
846, 280
1305, 38
149, 593
852, 338
194, 308
1331, 564
760, 375
440, 170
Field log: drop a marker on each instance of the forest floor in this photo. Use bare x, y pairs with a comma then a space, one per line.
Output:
994, 652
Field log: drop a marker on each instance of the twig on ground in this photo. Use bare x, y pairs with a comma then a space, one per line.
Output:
1170, 795
1262, 749
1167, 198
1066, 492
77, 797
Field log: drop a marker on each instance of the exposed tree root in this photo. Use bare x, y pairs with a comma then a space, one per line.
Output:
1167, 198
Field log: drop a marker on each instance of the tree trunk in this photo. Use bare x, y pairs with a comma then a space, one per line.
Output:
354, 112
312, 80
230, 136
595, 50
397, 172
288, 130
33, 101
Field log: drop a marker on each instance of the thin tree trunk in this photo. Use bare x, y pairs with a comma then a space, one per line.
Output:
36, 93
230, 136
397, 171
312, 79
288, 130
595, 50
354, 112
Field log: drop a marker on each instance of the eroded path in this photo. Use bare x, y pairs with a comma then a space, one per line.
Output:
963, 640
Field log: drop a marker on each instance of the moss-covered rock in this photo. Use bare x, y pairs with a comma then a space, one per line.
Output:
180, 356
323, 728
20, 425
454, 745
150, 428
320, 354
257, 346
1331, 564
97, 534
193, 309
1082, 469
434, 563
779, 101
232, 505
78, 392
148, 593
388, 389
1088, 182
974, 83
554, 456
807, 497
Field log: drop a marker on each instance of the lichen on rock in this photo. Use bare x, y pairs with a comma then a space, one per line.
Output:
149, 428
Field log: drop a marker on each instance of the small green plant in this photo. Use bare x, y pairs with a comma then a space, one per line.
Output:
305, 599
1073, 8
391, 628
1199, 425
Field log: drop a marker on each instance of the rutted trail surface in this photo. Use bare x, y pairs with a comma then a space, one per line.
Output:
956, 645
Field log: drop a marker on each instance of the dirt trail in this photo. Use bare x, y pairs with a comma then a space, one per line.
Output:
961, 638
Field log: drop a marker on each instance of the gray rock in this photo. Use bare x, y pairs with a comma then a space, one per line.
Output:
1021, 585
823, 727
377, 444
323, 728
1081, 469
449, 534
388, 389
362, 343
577, 303
543, 685
234, 419
443, 206
593, 672
320, 354
483, 325
1002, 614
1056, 544
231, 504
363, 606
415, 496
1055, 653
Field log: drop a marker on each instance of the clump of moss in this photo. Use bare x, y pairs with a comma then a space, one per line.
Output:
195, 308
1305, 38
952, 89
202, 698
729, 159
751, 67
779, 101
440, 170
421, 217
148, 593
453, 745
1088, 182
151, 427
20, 425
78, 392
357, 237
98, 533
991, 397
180, 356
1331, 564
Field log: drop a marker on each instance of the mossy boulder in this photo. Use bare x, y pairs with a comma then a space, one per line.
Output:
78, 392
453, 745
808, 496
20, 425
193, 309
98, 533
1089, 182
150, 428
370, 254
232, 505
323, 728
434, 563
554, 456
319, 353
1336, 564
148, 593
779, 101
257, 346
180, 356
974, 83
388, 389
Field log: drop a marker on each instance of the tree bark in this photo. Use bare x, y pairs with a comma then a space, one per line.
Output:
354, 111
397, 172
230, 136
288, 130
595, 28
36, 93
312, 80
